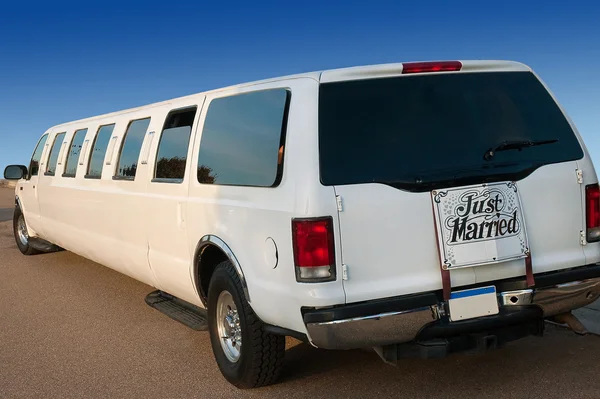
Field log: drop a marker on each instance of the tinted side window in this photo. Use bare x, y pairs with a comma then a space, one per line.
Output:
74, 152
34, 165
99, 151
131, 147
242, 139
54, 151
172, 152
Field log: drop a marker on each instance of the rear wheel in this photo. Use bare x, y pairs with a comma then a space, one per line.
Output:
247, 356
21, 234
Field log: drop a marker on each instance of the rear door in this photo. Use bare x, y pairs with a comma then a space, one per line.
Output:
171, 171
387, 144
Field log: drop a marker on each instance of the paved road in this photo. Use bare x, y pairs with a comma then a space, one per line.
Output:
590, 317
6, 214
71, 328
7, 203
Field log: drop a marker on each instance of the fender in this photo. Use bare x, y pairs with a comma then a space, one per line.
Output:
210, 239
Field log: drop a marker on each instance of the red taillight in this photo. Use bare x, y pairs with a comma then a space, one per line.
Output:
592, 212
314, 258
441, 66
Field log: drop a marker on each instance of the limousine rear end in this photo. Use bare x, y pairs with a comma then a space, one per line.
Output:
417, 209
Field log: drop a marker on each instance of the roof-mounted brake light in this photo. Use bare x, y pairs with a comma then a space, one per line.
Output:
435, 66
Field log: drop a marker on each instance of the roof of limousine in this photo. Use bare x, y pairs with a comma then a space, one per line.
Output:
327, 76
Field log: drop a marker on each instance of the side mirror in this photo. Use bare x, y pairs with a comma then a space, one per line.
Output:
15, 172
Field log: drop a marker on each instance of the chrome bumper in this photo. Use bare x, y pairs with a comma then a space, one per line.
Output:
404, 326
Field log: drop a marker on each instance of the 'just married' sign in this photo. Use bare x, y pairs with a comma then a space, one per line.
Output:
479, 225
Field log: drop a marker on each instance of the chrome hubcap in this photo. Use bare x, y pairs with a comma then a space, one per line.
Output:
228, 326
22, 231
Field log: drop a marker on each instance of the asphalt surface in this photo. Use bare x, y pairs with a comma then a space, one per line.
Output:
6, 214
7, 202
70, 328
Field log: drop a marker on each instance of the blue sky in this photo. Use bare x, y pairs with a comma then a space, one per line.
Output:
60, 61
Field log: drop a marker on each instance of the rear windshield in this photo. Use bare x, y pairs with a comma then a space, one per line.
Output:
425, 131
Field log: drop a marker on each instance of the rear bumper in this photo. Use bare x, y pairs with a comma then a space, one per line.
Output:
421, 316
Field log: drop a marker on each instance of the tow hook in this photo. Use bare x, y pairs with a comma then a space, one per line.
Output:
571, 321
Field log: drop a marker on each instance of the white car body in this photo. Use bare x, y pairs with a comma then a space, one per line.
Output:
384, 237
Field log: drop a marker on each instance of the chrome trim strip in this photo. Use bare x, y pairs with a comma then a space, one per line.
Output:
210, 239
18, 201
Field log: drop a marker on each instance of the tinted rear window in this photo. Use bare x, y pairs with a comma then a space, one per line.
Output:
416, 130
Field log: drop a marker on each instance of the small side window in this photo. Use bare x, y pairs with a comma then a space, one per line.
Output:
130, 149
98, 152
242, 139
74, 152
171, 157
34, 165
53, 157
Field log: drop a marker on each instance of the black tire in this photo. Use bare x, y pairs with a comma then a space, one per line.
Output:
22, 243
261, 355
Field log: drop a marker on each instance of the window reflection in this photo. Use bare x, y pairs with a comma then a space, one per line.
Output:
242, 139
132, 145
34, 165
172, 152
99, 150
54, 151
74, 152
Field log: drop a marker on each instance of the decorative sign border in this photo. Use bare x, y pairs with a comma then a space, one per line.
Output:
461, 201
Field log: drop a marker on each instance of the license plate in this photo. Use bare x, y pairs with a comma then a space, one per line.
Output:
472, 303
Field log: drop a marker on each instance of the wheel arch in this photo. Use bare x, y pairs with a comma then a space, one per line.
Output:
210, 251
18, 203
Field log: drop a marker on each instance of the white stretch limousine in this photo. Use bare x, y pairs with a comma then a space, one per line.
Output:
417, 209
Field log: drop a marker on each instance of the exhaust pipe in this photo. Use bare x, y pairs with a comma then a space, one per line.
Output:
571, 321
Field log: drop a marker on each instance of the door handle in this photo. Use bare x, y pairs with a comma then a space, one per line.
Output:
180, 218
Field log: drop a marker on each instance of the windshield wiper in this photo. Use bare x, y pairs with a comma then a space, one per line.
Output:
514, 145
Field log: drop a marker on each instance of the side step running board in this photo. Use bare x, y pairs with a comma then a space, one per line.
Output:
178, 309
